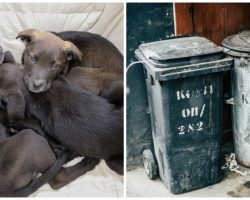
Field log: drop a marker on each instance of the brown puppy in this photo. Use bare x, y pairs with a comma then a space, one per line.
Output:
98, 52
11, 95
21, 157
89, 114
7, 57
101, 68
44, 57
26, 152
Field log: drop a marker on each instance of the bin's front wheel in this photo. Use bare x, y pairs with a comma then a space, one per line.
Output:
150, 164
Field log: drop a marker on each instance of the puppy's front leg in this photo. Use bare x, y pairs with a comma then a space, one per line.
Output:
66, 175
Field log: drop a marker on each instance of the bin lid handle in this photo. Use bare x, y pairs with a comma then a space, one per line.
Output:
230, 101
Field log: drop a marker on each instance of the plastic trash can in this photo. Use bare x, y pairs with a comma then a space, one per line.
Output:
184, 88
238, 46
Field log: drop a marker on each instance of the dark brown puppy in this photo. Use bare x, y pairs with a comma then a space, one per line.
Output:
5, 57
91, 126
26, 152
98, 52
46, 55
11, 95
101, 68
21, 157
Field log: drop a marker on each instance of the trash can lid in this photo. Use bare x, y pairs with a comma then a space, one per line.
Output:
238, 42
178, 48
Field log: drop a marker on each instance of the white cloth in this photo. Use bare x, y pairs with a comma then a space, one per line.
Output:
105, 19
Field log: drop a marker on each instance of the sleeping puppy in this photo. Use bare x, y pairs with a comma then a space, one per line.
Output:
82, 121
7, 57
91, 126
98, 52
24, 153
11, 92
21, 157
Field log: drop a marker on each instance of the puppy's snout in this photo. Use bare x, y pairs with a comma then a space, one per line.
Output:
37, 84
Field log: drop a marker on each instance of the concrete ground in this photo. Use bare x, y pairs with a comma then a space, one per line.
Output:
232, 185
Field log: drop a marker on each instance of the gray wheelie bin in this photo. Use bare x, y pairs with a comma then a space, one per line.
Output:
184, 87
238, 46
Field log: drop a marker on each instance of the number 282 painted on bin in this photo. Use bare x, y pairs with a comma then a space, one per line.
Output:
195, 111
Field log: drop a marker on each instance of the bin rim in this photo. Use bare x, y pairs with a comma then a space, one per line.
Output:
182, 71
197, 42
237, 42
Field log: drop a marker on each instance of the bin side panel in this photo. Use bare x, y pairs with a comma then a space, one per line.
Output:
139, 135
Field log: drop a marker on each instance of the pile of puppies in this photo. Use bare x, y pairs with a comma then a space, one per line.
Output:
64, 100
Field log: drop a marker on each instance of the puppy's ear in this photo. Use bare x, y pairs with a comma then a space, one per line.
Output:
27, 36
15, 107
8, 57
72, 52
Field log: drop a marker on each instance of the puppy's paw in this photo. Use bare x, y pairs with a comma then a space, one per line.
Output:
58, 181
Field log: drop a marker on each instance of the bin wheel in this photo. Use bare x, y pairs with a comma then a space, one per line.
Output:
150, 164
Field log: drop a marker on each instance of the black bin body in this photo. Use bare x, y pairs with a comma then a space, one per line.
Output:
184, 87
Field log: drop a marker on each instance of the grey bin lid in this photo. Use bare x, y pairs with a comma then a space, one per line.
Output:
182, 57
167, 50
238, 42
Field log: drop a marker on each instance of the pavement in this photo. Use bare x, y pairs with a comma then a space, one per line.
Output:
232, 185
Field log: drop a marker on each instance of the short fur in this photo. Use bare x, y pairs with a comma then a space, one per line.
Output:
47, 55
97, 51
105, 83
21, 156
83, 122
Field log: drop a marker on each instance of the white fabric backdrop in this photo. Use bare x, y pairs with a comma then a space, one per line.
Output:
101, 18
104, 19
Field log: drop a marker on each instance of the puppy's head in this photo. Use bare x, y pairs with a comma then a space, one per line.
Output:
45, 57
12, 101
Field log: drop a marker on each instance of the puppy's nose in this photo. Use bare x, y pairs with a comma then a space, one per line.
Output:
37, 84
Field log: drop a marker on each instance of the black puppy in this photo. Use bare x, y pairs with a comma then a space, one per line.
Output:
83, 122
21, 157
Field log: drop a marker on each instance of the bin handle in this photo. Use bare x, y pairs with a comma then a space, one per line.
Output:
230, 101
